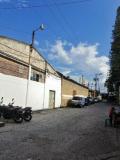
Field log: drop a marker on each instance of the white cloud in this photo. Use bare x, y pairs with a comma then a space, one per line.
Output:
82, 58
58, 52
5, 0
22, 3
87, 58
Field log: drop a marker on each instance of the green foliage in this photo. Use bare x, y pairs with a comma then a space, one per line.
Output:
114, 74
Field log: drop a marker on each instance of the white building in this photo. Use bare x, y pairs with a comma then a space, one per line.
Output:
27, 77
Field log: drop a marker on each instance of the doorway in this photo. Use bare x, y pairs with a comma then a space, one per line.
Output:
51, 99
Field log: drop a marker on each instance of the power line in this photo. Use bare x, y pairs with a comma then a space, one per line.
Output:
66, 28
46, 5
58, 21
28, 34
52, 32
69, 26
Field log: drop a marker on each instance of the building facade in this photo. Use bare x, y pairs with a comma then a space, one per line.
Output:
27, 77
70, 88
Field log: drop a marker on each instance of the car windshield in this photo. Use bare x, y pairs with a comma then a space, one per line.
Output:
76, 98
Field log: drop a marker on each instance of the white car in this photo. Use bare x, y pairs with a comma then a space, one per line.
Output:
78, 101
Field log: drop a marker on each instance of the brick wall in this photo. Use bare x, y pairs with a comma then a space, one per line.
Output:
21, 51
69, 89
12, 68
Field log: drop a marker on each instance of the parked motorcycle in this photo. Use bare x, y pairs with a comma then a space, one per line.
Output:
12, 103
10, 112
13, 113
27, 113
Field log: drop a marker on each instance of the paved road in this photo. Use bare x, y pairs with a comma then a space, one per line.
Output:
62, 134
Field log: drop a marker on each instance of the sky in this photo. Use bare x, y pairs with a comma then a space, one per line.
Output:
77, 35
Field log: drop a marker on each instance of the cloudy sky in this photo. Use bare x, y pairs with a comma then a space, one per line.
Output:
77, 35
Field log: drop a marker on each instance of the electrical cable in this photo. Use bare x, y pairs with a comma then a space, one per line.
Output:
46, 5
69, 26
58, 22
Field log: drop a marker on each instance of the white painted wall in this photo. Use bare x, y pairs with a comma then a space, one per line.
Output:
35, 95
53, 83
13, 87
38, 93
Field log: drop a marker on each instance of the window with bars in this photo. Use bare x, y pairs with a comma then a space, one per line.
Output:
37, 76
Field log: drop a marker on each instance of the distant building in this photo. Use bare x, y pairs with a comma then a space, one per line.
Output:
41, 90
70, 88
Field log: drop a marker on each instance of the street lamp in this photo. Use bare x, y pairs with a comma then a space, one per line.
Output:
29, 64
33, 33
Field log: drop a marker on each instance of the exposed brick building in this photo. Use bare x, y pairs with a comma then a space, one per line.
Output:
70, 88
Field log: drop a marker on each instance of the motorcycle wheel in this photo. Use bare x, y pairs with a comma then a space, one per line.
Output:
18, 119
6, 116
27, 117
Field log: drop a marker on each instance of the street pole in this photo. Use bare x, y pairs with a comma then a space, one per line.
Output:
29, 62
96, 79
82, 79
29, 68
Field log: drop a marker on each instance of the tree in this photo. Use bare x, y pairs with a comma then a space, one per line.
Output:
114, 73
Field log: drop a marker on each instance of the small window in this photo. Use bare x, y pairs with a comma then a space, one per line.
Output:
36, 76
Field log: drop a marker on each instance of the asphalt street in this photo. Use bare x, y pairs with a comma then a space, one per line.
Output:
62, 134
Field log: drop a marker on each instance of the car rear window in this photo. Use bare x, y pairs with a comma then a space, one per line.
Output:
77, 98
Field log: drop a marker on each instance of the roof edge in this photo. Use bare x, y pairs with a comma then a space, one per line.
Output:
69, 79
22, 42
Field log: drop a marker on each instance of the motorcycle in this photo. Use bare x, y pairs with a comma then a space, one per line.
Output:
27, 113
11, 112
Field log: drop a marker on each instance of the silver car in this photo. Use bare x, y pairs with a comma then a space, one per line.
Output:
78, 101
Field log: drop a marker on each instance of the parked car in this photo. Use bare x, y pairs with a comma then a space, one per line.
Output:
90, 100
87, 101
96, 100
78, 101
99, 98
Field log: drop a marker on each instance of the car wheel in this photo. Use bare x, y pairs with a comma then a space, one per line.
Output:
78, 106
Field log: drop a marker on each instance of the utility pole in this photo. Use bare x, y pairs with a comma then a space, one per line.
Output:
96, 79
82, 79
29, 61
